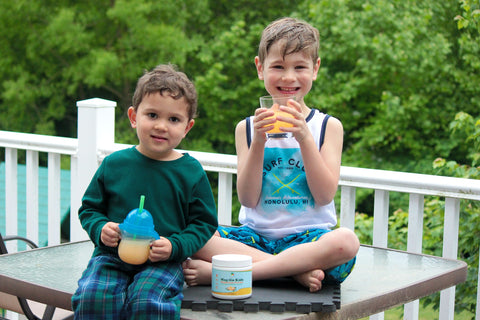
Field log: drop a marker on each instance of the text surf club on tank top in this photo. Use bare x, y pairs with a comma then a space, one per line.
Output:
286, 204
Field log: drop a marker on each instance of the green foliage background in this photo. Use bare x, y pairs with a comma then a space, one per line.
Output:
395, 72
403, 76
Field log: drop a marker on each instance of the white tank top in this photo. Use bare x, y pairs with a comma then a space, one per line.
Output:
286, 205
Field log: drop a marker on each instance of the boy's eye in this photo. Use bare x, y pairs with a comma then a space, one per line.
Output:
277, 67
174, 119
152, 115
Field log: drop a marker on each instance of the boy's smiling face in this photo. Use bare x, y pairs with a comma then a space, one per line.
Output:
161, 122
289, 75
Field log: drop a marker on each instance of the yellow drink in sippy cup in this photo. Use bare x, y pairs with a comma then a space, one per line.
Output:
134, 251
138, 231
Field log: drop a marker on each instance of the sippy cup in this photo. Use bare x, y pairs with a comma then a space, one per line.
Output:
138, 231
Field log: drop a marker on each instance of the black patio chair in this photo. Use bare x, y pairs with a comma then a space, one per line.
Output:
49, 310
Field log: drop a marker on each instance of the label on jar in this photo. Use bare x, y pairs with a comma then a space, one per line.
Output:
230, 284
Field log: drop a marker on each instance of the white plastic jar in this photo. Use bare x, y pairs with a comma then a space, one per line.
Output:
231, 276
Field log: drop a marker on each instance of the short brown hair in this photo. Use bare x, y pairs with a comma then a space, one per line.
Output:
296, 36
165, 78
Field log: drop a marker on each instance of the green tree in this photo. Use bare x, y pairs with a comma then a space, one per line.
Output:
392, 71
389, 73
59, 52
225, 73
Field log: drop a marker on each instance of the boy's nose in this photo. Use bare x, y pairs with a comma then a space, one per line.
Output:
160, 125
288, 75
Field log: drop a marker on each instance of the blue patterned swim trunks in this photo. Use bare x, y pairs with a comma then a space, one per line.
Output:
249, 237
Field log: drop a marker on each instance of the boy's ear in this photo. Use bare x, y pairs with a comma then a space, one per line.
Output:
189, 126
259, 68
132, 116
316, 67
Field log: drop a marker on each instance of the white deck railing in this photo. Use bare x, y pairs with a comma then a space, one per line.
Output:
96, 140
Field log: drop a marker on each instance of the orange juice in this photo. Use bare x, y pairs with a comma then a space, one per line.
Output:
134, 251
273, 103
277, 124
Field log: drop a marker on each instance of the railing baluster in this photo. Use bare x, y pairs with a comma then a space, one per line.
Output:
347, 207
11, 204
76, 230
380, 219
415, 223
224, 198
11, 196
32, 195
414, 242
450, 250
380, 227
53, 198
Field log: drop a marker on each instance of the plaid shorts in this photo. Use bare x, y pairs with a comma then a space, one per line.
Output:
112, 289
249, 237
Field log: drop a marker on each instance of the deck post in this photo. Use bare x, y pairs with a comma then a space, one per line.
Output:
96, 128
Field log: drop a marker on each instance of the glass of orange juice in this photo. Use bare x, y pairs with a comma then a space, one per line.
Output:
273, 103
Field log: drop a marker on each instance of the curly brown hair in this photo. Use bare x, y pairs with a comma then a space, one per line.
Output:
165, 79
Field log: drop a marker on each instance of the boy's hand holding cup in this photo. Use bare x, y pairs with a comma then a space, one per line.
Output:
274, 103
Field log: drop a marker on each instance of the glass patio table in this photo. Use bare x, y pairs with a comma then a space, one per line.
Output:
381, 279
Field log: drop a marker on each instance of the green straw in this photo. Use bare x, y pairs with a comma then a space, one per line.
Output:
140, 209
140, 206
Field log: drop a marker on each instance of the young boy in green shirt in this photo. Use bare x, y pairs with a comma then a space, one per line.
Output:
178, 196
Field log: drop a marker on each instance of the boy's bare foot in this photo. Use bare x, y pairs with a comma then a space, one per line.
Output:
311, 279
197, 272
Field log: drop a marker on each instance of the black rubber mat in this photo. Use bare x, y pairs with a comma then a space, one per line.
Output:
278, 295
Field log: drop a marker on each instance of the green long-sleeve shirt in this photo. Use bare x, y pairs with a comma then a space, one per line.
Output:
177, 194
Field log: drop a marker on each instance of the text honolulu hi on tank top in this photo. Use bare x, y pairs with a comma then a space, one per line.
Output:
286, 205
